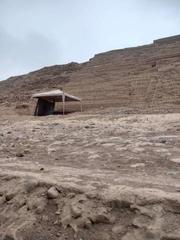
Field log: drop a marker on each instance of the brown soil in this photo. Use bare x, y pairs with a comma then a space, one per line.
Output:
116, 176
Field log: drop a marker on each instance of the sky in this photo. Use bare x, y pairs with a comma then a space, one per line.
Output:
38, 33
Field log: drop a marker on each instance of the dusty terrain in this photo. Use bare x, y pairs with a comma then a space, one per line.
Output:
113, 176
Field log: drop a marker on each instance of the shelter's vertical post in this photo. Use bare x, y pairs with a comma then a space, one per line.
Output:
36, 109
63, 102
81, 105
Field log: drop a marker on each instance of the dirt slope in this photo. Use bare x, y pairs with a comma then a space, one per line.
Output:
143, 78
90, 177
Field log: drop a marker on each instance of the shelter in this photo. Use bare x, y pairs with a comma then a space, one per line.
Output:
46, 101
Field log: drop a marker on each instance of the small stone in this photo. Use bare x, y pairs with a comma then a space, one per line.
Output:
76, 211
19, 155
117, 229
30, 184
52, 193
172, 173
26, 151
45, 218
163, 141
8, 237
21, 202
56, 223
37, 204
2, 199
40, 209
58, 213
9, 196
100, 218
137, 165
66, 220
71, 195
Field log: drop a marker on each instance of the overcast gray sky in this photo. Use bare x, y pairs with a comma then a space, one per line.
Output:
38, 33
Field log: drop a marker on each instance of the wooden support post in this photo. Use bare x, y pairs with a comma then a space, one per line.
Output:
63, 102
81, 105
37, 107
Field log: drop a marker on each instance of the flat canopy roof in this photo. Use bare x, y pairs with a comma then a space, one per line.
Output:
56, 95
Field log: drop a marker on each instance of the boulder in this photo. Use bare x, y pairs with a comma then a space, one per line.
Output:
52, 193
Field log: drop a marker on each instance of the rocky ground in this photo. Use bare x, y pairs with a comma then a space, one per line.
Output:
90, 176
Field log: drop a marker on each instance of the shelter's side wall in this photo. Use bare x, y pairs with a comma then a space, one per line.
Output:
44, 107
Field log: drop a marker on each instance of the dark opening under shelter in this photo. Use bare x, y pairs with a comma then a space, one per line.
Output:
46, 101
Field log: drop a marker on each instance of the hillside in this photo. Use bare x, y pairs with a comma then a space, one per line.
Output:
102, 174
145, 77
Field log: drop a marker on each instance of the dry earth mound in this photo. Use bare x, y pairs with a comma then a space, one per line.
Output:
144, 78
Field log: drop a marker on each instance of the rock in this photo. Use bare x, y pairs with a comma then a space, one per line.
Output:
40, 209
21, 202
117, 229
100, 218
171, 236
26, 151
128, 236
176, 160
8, 237
76, 211
141, 221
19, 154
66, 220
172, 173
71, 195
58, 212
9, 196
52, 193
103, 235
137, 165
2, 199
45, 218
30, 184
37, 204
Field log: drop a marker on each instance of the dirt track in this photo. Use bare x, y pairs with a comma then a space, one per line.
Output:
121, 174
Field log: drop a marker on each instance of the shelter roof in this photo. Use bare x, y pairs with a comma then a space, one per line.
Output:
56, 95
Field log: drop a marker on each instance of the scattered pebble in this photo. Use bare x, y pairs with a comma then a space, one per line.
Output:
137, 165
176, 160
52, 193
19, 155
172, 173
9, 196
76, 211
117, 229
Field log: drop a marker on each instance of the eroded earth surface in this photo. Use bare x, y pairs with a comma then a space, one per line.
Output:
107, 175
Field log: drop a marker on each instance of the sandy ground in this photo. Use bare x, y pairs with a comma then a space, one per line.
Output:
113, 176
